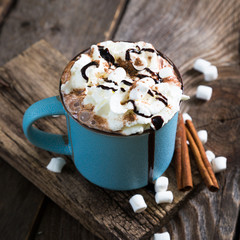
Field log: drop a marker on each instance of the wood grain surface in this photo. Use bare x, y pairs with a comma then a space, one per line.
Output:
69, 26
185, 31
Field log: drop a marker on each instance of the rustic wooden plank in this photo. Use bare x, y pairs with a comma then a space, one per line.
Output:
57, 224
20, 203
187, 30
69, 26
34, 75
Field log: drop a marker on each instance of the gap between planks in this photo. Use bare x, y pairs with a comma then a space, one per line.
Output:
121, 9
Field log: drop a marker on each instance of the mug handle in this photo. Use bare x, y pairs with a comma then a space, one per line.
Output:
48, 141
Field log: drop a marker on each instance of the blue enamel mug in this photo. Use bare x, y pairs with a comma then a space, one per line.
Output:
108, 160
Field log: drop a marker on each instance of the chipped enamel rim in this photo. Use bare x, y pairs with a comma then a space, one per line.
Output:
111, 133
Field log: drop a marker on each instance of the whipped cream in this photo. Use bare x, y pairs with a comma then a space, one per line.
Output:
121, 87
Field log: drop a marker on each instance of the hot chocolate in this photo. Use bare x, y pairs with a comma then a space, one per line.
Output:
121, 87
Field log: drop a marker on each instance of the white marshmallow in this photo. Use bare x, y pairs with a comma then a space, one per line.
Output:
166, 72
210, 155
143, 63
186, 117
132, 130
219, 164
203, 136
201, 64
164, 197
117, 107
204, 92
210, 73
138, 204
161, 184
139, 91
161, 236
185, 97
117, 75
56, 164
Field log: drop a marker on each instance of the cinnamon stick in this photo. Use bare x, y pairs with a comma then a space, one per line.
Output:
201, 158
182, 160
186, 167
178, 154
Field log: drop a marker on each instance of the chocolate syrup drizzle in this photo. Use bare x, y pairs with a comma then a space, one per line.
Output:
136, 111
142, 76
110, 81
106, 55
161, 98
154, 76
151, 151
84, 69
150, 93
157, 121
127, 56
107, 88
127, 82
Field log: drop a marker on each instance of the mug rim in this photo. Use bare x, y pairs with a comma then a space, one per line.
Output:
148, 131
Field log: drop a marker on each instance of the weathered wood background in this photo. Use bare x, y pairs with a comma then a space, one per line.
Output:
184, 30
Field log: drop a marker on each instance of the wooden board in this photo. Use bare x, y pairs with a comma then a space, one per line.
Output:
185, 31
34, 75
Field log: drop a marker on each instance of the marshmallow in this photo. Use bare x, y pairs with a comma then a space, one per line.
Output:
139, 91
166, 72
56, 164
185, 97
117, 75
139, 63
203, 136
201, 65
138, 204
219, 164
161, 236
186, 117
161, 184
117, 107
210, 73
210, 155
164, 197
204, 92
